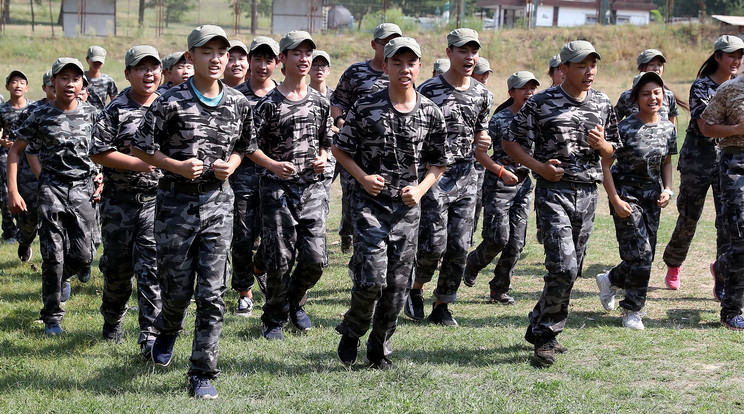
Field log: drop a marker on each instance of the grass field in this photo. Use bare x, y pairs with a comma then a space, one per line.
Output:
683, 362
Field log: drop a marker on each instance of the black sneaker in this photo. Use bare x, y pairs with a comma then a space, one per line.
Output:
24, 253
531, 338
347, 349
52, 329
84, 275
111, 332
735, 323
469, 277
162, 349
347, 242
245, 306
382, 364
502, 298
414, 306
273, 332
146, 349
544, 352
200, 387
299, 319
441, 315
66, 291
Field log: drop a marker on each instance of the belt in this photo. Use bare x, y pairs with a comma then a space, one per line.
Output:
192, 188
733, 150
563, 184
141, 198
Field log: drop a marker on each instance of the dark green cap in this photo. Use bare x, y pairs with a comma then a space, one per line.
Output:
63, 62
47, 78
577, 51
137, 53
385, 30
171, 60
649, 55
293, 39
239, 45
519, 79
97, 54
462, 36
728, 44
395, 45
15, 73
482, 66
441, 65
321, 53
555, 61
204, 33
265, 41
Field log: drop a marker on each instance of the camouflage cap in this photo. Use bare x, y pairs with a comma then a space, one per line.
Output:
172, 59
577, 50
399, 43
648, 77
385, 30
137, 53
649, 55
63, 62
555, 61
97, 54
265, 41
293, 39
521, 78
728, 44
47, 78
15, 73
204, 33
321, 53
239, 45
442, 65
482, 66
462, 36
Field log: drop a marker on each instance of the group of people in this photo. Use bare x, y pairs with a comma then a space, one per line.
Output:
207, 161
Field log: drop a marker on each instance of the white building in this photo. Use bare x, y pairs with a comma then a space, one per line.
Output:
288, 15
89, 17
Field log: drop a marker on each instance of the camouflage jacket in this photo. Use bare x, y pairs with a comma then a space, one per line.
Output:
701, 92
625, 108
357, 81
100, 89
8, 120
498, 128
645, 147
727, 108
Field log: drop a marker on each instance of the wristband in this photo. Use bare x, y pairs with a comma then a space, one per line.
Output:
335, 120
501, 171
670, 192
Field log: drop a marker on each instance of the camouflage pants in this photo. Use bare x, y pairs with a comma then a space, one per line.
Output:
698, 171
385, 233
8, 226
566, 218
193, 234
28, 188
246, 233
732, 196
129, 251
447, 212
67, 217
636, 239
293, 234
345, 229
478, 200
507, 208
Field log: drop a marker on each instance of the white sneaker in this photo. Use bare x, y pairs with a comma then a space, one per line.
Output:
245, 306
606, 291
633, 319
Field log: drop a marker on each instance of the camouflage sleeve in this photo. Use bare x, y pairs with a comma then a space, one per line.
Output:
346, 139
27, 132
524, 128
262, 121
246, 136
715, 112
104, 132
621, 108
611, 134
671, 102
112, 89
672, 141
325, 131
485, 112
699, 98
342, 94
435, 151
150, 128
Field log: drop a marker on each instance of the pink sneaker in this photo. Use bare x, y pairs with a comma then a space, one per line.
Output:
672, 278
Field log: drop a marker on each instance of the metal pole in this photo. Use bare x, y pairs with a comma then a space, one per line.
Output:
254, 16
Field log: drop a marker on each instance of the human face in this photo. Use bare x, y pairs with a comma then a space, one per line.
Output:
655, 65
463, 58
319, 70
379, 46
520, 95
729, 63
94, 66
557, 76
181, 72
51, 94
402, 69
83, 95
17, 86
579, 76
262, 68
297, 61
650, 98
144, 76
483, 77
209, 60
67, 83
237, 67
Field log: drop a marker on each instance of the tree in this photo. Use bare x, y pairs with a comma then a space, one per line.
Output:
174, 9
141, 17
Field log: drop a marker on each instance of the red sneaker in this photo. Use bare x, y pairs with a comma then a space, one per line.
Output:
672, 278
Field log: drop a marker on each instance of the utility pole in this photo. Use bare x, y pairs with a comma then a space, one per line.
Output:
254, 16
236, 16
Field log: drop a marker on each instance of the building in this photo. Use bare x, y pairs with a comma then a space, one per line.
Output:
88, 17
288, 15
731, 25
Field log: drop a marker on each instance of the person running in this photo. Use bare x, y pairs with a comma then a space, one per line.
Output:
16, 83
638, 186
101, 86
237, 65
176, 70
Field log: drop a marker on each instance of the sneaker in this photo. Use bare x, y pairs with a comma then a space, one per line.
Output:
10, 240
544, 352
531, 338
24, 253
200, 387
347, 242
162, 349
299, 319
441, 315
672, 278
633, 319
468, 279
84, 275
146, 349
735, 323
347, 349
606, 291
245, 306
273, 332
261, 281
502, 298
414, 306
66, 291
52, 329
111, 332
383, 364
718, 289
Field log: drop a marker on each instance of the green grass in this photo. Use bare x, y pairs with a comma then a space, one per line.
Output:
683, 362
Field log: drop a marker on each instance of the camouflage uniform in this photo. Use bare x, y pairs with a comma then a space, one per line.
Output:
100, 89
293, 210
61, 140
8, 120
558, 126
357, 81
332, 165
625, 107
193, 218
507, 208
396, 146
448, 208
128, 216
637, 178
725, 108
28, 187
698, 171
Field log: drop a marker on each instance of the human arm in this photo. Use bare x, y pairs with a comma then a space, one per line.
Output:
372, 183
482, 157
190, 168
720, 130
666, 179
596, 140
223, 170
549, 170
116, 159
16, 204
282, 169
411, 195
622, 208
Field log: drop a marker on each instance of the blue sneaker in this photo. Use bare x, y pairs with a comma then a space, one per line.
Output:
200, 387
718, 290
735, 323
146, 349
162, 349
52, 329
273, 332
66, 291
299, 319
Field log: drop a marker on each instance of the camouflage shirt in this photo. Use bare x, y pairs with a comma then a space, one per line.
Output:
113, 132
558, 126
625, 108
645, 147
61, 140
180, 126
293, 131
465, 111
357, 81
392, 144
100, 89
727, 107
701, 92
164, 87
498, 129
8, 120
